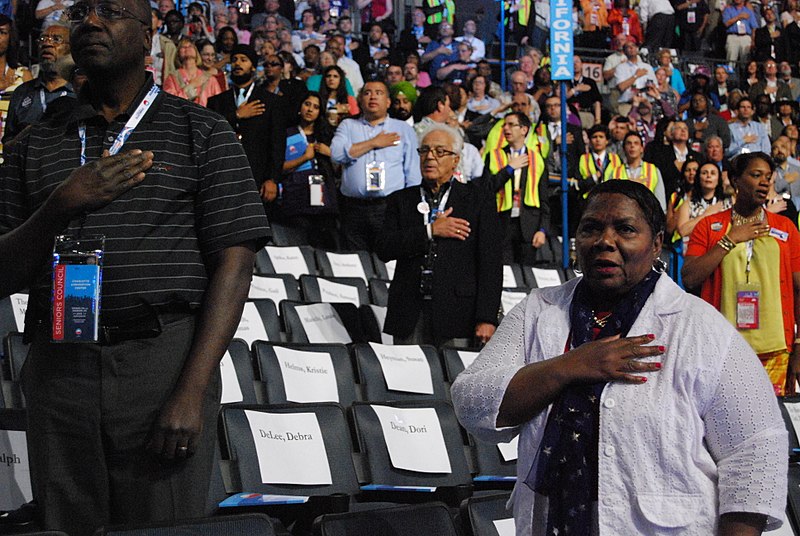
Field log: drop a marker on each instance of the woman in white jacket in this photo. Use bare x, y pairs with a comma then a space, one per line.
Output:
640, 409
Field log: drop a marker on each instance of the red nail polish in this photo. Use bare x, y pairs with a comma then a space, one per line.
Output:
657, 365
662, 348
651, 336
643, 379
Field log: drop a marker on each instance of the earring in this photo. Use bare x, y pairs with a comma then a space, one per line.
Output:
660, 265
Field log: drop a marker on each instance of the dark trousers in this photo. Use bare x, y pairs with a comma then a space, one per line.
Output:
660, 32
360, 222
91, 409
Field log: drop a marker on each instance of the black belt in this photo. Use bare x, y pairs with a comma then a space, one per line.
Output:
363, 200
134, 328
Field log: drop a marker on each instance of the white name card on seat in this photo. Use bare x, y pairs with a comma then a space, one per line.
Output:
267, 287
414, 439
509, 450
546, 277
467, 357
346, 265
231, 390
509, 281
390, 268
307, 376
510, 299
288, 260
19, 304
322, 324
405, 368
290, 448
251, 327
505, 527
15, 473
332, 292
380, 316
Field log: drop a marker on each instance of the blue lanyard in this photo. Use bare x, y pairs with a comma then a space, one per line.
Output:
127, 130
429, 216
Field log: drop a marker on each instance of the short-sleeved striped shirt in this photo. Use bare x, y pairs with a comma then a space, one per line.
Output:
198, 198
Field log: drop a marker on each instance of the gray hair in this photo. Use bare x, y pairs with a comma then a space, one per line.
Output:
712, 138
458, 141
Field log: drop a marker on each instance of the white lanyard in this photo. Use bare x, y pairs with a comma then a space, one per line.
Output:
127, 130
427, 215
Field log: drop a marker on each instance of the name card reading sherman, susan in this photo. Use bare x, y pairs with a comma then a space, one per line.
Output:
290, 448
19, 304
267, 287
331, 292
546, 277
288, 260
414, 439
322, 324
405, 368
307, 376
347, 265
231, 390
251, 327
15, 474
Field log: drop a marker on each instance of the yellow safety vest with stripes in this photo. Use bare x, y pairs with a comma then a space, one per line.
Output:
498, 159
587, 167
649, 176
436, 18
538, 139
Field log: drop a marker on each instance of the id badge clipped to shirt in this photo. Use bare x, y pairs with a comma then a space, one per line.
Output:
747, 302
77, 280
376, 176
315, 183
691, 17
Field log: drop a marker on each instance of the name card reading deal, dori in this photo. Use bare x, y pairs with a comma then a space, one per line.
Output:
290, 448
414, 439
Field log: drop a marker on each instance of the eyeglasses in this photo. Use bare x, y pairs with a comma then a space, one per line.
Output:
77, 13
52, 38
512, 124
438, 152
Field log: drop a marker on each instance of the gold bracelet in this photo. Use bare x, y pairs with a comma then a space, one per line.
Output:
726, 243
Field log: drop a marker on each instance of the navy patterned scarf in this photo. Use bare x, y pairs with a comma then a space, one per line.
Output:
566, 466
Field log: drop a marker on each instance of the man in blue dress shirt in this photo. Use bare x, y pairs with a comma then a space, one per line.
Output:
378, 155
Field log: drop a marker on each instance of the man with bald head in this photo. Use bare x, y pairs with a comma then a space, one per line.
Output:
122, 421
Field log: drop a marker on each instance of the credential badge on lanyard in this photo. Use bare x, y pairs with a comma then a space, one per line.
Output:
77, 274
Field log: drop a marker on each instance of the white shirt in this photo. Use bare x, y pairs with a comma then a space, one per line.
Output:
704, 436
626, 70
648, 8
353, 73
478, 47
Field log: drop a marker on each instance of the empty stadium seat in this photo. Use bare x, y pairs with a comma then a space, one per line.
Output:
328, 289
294, 260
414, 520
308, 369
409, 372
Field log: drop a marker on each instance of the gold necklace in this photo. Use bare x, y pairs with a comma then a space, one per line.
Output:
600, 322
738, 219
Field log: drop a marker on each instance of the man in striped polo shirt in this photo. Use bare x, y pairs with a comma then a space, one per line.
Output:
122, 430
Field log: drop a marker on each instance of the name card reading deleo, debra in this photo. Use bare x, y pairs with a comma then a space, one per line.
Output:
290, 448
